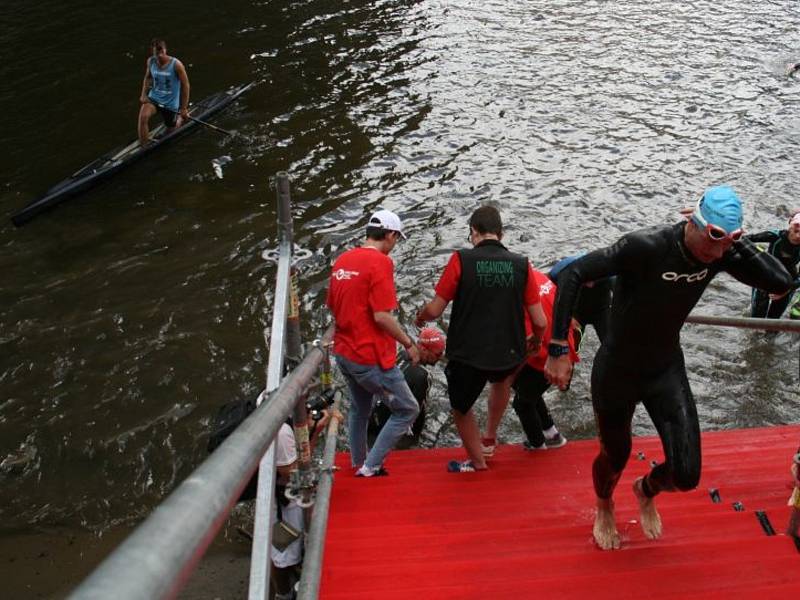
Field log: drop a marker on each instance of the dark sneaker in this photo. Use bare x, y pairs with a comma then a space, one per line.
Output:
455, 466
526, 445
556, 441
366, 471
488, 446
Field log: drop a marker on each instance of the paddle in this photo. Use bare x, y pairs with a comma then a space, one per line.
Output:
201, 122
214, 127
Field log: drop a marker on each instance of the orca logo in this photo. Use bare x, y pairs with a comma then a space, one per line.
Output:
689, 277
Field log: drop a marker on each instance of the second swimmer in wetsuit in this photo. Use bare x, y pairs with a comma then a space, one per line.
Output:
661, 273
785, 246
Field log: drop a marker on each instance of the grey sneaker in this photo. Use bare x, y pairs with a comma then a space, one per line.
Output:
527, 446
556, 441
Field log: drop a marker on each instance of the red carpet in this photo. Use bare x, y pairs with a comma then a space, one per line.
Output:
523, 529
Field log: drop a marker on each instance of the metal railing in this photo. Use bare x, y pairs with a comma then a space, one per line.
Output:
746, 323
265, 495
315, 541
158, 557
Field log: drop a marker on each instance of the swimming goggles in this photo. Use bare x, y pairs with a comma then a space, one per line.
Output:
715, 232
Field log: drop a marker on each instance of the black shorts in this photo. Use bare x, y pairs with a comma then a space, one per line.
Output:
169, 117
465, 383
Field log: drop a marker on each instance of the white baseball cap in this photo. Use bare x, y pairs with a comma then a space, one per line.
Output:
386, 219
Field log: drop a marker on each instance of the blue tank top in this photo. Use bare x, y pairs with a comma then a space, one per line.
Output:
166, 89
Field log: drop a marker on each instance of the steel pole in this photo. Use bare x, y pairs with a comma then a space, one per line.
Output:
157, 558
315, 542
746, 323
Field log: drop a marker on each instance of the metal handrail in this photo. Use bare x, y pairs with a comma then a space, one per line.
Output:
285, 338
315, 541
158, 557
747, 323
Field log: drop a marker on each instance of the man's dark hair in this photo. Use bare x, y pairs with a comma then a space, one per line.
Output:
158, 43
485, 220
377, 233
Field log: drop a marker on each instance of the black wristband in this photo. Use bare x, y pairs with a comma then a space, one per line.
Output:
557, 350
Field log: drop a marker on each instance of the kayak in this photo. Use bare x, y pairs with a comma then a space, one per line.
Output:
119, 158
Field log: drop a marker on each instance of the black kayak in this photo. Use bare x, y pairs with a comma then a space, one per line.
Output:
121, 157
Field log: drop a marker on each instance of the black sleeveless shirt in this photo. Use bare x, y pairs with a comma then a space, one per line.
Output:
487, 325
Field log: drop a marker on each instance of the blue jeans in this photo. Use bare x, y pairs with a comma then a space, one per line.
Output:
365, 383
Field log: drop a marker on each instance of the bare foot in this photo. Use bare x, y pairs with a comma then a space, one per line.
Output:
650, 519
605, 528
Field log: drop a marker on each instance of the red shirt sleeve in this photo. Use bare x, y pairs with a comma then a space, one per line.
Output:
382, 294
531, 288
448, 282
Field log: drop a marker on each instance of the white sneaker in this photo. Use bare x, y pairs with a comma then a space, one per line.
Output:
366, 471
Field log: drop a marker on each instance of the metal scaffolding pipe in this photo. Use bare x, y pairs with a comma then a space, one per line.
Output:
158, 557
746, 323
315, 542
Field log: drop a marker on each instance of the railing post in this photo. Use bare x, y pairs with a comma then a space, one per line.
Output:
260, 560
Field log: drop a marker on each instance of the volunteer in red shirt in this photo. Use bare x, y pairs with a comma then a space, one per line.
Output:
531, 384
361, 296
491, 289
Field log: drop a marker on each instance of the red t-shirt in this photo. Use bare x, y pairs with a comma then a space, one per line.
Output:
448, 282
361, 284
547, 293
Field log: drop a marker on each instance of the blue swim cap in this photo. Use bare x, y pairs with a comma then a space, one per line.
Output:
563, 264
719, 206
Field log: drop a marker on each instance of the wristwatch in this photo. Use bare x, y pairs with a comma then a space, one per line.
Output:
556, 350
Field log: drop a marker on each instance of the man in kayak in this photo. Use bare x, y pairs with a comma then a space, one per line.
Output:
661, 272
165, 89
491, 289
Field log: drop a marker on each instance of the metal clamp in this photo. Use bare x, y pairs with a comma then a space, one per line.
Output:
298, 255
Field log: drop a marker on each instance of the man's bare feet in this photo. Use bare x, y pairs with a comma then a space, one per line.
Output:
605, 528
649, 517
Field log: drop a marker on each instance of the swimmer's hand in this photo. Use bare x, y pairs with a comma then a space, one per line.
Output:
558, 371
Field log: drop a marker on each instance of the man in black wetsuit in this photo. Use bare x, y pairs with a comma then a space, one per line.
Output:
661, 273
784, 244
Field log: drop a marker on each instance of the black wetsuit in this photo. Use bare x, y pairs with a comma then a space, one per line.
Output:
789, 255
658, 283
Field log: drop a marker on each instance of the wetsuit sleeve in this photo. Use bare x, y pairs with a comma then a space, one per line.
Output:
757, 269
763, 236
628, 255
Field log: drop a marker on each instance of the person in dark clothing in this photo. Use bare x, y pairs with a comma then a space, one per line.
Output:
431, 347
785, 246
530, 384
593, 308
661, 272
491, 288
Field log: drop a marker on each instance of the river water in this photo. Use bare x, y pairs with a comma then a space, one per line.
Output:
130, 313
